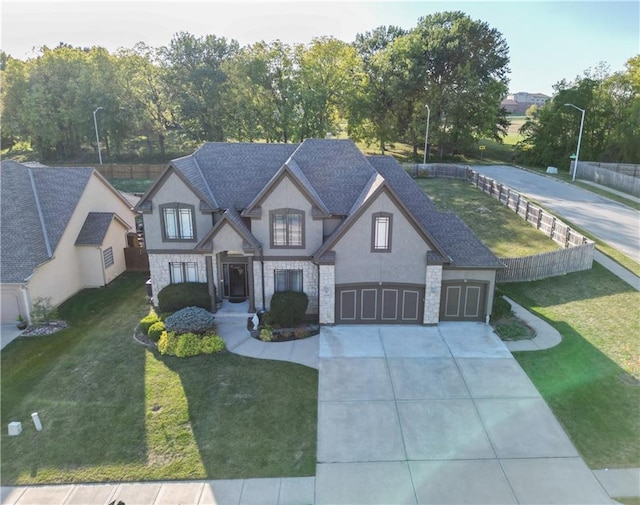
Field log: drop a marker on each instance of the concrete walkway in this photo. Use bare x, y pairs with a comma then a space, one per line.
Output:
8, 333
546, 335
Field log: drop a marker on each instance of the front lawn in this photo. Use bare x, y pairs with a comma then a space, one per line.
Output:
115, 411
590, 380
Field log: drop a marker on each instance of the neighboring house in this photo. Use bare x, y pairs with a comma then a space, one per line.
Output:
354, 232
61, 230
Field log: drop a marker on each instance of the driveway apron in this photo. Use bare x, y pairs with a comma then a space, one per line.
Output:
437, 415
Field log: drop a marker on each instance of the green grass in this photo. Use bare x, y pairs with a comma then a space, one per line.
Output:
590, 380
114, 411
132, 185
504, 232
608, 194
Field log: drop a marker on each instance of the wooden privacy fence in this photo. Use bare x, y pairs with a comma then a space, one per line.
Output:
625, 178
113, 171
577, 250
136, 258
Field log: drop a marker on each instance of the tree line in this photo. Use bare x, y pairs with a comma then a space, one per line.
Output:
210, 88
611, 130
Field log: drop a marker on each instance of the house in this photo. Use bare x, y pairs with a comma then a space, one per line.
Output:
62, 230
354, 232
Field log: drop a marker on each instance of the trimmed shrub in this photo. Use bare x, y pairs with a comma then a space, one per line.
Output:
288, 307
191, 320
174, 297
147, 321
189, 344
212, 344
501, 309
155, 331
167, 343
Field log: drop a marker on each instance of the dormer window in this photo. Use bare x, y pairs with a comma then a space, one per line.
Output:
178, 222
287, 228
381, 232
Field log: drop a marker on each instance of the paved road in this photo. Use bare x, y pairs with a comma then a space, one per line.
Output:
615, 224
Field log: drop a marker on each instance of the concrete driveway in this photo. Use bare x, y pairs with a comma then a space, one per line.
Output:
8, 333
437, 415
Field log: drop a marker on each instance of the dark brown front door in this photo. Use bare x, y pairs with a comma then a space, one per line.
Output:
235, 280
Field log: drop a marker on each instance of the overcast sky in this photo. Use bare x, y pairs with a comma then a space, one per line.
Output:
548, 40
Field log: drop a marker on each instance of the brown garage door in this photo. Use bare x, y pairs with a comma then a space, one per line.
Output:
463, 301
375, 304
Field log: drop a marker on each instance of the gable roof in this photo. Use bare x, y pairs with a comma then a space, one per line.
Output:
36, 205
232, 218
337, 178
95, 228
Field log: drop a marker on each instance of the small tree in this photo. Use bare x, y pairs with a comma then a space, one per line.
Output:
43, 312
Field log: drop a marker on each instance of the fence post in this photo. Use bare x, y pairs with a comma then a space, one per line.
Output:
539, 217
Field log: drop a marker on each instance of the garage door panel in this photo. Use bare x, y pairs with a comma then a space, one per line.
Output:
373, 303
472, 302
410, 307
348, 305
369, 304
389, 304
463, 301
453, 296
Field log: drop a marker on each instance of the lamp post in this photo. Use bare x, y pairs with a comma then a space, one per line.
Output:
426, 136
575, 168
95, 124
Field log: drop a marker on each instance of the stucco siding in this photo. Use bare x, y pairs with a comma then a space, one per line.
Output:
89, 257
287, 196
174, 191
227, 239
116, 239
406, 263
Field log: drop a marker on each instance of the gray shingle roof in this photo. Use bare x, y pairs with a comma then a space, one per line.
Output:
223, 164
95, 228
36, 205
233, 174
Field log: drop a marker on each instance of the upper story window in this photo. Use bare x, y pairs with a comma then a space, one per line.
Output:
287, 228
178, 222
381, 232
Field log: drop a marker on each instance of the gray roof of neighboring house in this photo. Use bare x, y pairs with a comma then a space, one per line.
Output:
36, 205
95, 228
338, 173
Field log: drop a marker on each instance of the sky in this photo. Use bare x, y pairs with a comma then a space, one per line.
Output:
548, 40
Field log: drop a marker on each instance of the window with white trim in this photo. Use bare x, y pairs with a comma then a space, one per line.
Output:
183, 272
287, 280
287, 228
178, 222
381, 232
107, 257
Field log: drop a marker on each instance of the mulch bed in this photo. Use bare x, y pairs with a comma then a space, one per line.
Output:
44, 329
288, 334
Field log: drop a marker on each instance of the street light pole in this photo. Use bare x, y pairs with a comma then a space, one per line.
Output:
575, 168
426, 136
95, 124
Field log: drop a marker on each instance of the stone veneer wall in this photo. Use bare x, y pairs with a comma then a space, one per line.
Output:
327, 294
432, 292
159, 269
309, 281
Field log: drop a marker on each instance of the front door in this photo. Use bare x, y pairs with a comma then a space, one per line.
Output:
235, 281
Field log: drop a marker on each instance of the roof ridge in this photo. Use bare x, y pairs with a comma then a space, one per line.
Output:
47, 243
206, 184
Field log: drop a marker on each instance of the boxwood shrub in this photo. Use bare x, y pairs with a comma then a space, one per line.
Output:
191, 320
189, 344
184, 294
148, 320
155, 330
288, 308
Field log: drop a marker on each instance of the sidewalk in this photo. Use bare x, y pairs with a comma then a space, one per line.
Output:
618, 270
